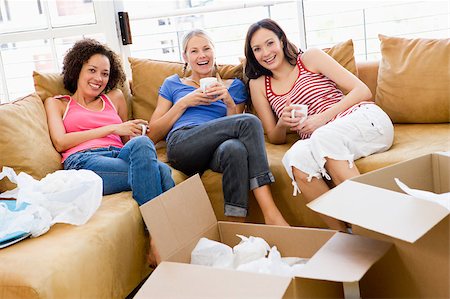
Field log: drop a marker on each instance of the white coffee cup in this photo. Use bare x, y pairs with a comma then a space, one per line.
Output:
205, 82
302, 109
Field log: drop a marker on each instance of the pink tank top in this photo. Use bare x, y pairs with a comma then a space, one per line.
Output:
312, 89
78, 118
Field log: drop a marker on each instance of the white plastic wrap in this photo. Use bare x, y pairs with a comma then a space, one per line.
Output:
212, 253
65, 196
252, 254
249, 249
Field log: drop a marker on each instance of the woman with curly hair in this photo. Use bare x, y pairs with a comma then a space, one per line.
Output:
91, 131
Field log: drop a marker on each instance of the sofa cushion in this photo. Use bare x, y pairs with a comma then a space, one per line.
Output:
51, 84
410, 141
413, 79
25, 141
344, 53
148, 75
104, 258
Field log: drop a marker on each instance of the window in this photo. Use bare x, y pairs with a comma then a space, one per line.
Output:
157, 32
35, 34
328, 22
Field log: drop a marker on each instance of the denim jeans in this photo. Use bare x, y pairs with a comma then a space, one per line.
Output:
232, 145
134, 167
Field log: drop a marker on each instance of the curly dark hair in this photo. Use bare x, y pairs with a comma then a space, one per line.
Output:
80, 53
253, 69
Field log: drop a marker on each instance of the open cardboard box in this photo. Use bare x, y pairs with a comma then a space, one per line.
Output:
178, 218
418, 266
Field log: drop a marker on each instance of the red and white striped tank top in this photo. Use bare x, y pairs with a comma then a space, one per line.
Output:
312, 89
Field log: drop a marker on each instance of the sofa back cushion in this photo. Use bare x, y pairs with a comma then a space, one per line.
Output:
148, 76
413, 79
51, 84
25, 141
344, 53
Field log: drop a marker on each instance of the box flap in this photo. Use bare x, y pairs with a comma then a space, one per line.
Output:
176, 280
391, 213
441, 172
345, 258
179, 216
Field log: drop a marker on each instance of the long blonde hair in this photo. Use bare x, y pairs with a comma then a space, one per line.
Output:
187, 37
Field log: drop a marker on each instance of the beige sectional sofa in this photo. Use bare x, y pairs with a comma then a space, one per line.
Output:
105, 258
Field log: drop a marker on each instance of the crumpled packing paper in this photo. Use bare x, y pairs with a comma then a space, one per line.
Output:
65, 196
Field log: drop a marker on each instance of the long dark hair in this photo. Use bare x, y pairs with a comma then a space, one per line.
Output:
253, 69
80, 53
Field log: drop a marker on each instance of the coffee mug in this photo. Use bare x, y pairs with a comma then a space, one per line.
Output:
301, 108
205, 82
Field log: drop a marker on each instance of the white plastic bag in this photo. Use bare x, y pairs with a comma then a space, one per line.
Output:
212, 253
65, 196
249, 249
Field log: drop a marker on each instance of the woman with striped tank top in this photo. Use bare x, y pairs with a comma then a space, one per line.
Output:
91, 128
338, 128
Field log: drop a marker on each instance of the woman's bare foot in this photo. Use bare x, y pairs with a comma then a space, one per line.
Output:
153, 257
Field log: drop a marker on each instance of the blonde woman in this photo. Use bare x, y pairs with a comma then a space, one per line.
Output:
207, 130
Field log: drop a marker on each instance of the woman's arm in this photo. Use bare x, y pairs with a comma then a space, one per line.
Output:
120, 103
167, 113
274, 128
219, 91
163, 118
319, 62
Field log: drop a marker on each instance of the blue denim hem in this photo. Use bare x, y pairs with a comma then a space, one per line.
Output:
261, 180
235, 211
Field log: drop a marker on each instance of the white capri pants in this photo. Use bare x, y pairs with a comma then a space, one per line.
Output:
365, 131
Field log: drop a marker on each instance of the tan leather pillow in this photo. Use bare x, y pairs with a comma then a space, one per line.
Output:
25, 141
148, 75
413, 79
51, 84
344, 54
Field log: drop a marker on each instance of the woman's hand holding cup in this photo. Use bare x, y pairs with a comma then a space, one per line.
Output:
299, 111
206, 82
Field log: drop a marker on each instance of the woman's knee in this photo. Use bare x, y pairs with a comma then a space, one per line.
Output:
250, 120
142, 143
234, 149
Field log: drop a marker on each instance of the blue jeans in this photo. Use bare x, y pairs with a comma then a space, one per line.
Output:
134, 167
231, 145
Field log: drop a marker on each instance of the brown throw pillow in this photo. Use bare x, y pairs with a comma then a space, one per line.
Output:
344, 54
413, 79
26, 144
51, 84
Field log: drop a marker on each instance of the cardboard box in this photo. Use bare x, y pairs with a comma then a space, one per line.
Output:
418, 266
178, 218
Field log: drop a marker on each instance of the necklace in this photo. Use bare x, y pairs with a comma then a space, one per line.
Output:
192, 80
